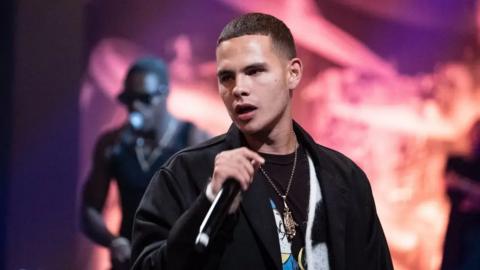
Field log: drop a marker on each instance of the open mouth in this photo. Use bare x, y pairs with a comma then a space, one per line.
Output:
244, 108
245, 111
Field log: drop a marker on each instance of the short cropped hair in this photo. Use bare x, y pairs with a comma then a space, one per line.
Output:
261, 24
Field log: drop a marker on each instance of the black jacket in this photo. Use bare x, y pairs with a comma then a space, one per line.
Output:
174, 205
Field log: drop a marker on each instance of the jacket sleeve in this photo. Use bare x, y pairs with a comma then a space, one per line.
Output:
166, 224
377, 254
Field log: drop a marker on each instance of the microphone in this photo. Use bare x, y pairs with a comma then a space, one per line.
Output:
217, 213
136, 120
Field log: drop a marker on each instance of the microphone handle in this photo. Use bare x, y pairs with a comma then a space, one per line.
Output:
217, 213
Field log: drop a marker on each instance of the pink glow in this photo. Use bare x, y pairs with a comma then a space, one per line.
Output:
201, 107
109, 62
315, 33
402, 141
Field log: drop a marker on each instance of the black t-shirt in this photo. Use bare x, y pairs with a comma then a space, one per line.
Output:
131, 179
279, 168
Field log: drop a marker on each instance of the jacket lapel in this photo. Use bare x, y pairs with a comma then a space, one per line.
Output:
256, 208
334, 195
335, 207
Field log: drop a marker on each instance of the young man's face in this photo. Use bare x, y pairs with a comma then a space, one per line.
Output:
254, 81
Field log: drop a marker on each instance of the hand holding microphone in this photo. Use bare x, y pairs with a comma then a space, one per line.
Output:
233, 173
239, 164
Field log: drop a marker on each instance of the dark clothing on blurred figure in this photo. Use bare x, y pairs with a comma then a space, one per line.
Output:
462, 243
132, 153
116, 158
122, 155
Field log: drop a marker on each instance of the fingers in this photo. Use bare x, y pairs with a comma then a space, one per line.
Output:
257, 164
239, 164
251, 155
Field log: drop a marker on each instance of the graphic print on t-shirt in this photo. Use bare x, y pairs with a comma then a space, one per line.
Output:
288, 259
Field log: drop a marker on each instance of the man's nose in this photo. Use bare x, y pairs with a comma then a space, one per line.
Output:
241, 88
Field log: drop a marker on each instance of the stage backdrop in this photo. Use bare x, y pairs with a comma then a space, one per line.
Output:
389, 84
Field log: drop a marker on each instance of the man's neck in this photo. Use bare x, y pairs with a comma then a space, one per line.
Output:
280, 141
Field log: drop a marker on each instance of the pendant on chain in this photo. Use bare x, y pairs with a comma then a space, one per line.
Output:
288, 221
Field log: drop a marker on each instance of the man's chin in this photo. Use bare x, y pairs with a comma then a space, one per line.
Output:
246, 128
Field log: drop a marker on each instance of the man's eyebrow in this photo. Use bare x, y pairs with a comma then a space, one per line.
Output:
259, 65
223, 72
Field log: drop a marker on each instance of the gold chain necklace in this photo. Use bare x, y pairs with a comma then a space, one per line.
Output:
288, 220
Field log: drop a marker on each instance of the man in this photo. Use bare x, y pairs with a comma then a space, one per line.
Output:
302, 204
131, 154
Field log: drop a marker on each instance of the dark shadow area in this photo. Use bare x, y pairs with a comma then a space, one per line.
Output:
7, 9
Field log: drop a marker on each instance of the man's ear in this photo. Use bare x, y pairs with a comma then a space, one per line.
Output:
295, 71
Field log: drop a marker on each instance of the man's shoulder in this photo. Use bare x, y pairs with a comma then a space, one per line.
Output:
112, 134
200, 152
328, 158
106, 141
337, 163
192, 165
333, 156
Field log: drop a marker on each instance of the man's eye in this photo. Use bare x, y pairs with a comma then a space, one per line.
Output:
225, 78
253, 71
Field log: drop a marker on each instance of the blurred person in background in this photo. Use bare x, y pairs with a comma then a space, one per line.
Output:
131, 154
462, 243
